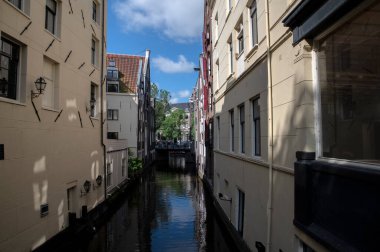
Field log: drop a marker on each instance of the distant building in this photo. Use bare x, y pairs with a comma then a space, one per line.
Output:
145, 115
185, 127
51, 144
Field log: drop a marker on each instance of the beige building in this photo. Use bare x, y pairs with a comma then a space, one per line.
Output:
51, 144
278, 91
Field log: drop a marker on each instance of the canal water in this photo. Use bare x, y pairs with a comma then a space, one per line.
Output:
167, 211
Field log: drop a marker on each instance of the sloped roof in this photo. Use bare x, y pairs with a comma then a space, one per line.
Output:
130, 66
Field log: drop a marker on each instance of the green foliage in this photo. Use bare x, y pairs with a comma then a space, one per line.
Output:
171, 126
134, 164
162, 104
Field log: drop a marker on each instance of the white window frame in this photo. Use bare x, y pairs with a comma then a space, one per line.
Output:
55, 86
216, 21
242, 129
251, 23
230, 55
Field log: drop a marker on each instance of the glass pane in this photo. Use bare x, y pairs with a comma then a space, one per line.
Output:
4, 62
7, 48
52, 5
4, 74
50, 18
349, 71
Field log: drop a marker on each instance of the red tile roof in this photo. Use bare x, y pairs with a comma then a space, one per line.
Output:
129, 66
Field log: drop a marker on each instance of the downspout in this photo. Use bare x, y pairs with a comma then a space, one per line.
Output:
102, 82
270, 125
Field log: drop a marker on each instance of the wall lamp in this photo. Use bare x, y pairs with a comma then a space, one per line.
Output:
86, 187
40, 86
99, 180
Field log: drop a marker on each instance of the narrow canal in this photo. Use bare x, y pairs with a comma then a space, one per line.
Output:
166, 211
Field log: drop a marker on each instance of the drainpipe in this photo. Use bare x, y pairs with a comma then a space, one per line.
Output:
102, 103
270, 118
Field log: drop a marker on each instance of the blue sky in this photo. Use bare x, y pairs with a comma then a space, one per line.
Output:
171, 29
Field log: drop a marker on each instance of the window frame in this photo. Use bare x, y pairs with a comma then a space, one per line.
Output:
256, 124
240, 38
93, 95
231, 55
317, 83
218, 132
240, 211
242, 128
123, 166
113, 132
109, 172
232, 130
111, 115
17, 60
253, 23
54, 83
93, 51
20, 6
54, 13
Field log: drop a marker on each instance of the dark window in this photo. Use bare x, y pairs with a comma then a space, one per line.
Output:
17, 3
218, 126
93, 51
231, 52
9, 61
242, 129
113, 74
240, 220
50, 15
112, 87
109, 172
253, 16
112, 135
112, 114
232, 130
256, 127
93, 98
240, 38
94, 14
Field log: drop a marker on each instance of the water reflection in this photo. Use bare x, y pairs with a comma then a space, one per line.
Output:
167, 212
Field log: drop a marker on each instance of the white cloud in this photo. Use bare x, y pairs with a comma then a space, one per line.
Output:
180, 20
169, 66
184, 94
174, 100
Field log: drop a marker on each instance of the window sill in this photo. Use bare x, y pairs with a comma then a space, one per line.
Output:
252, 51
53, 35
95, 66
17, 9
237, 55
50, 109
228, 14
229, 77
11, 101
95, 118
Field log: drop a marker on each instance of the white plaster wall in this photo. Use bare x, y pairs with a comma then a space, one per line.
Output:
127, 123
